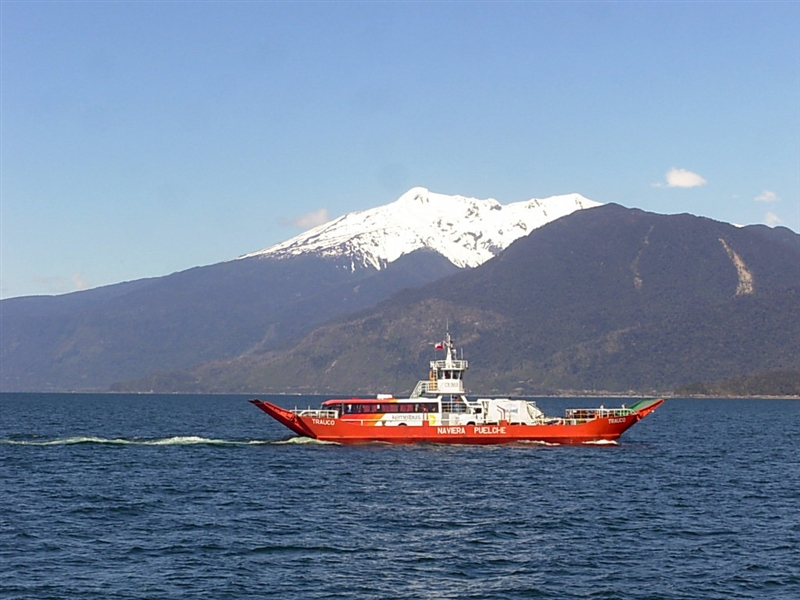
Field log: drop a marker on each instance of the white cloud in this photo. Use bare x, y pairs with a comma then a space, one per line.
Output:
682, 178
312, 219
767, 196
61, 285
79, 282
772, 219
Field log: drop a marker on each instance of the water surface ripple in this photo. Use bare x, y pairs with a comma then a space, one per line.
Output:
160, 497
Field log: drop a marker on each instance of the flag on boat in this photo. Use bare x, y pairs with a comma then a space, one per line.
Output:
439, 346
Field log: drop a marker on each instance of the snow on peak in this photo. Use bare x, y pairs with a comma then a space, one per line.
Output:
467, 231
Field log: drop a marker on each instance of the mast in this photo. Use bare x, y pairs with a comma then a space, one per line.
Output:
448, 344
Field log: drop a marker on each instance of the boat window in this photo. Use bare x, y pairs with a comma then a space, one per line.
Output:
415, 407
369, 408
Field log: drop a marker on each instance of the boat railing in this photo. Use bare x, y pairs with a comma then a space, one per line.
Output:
459, 365
587, 414
316, 412
423, 387
454, 407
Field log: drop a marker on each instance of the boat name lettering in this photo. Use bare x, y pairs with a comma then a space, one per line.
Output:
489, 430
451, 430
323, 421
619, 420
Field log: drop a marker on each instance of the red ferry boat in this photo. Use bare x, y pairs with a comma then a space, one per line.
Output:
438, 411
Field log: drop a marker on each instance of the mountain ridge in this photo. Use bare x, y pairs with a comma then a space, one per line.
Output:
608, 298
90, 339
466, 231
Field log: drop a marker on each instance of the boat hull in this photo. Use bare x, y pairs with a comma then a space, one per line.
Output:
560, 431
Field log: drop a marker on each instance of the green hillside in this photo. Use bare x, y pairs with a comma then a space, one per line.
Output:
609, 299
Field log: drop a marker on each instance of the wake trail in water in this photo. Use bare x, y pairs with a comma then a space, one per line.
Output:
190, 440
300, 440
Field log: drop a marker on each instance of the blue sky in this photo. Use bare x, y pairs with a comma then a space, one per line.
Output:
143, 138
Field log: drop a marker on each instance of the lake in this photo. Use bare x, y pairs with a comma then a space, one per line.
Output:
113, 496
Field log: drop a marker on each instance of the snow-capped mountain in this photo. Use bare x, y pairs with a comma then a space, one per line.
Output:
467, 231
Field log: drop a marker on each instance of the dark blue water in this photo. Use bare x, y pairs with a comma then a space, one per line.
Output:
151, 497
